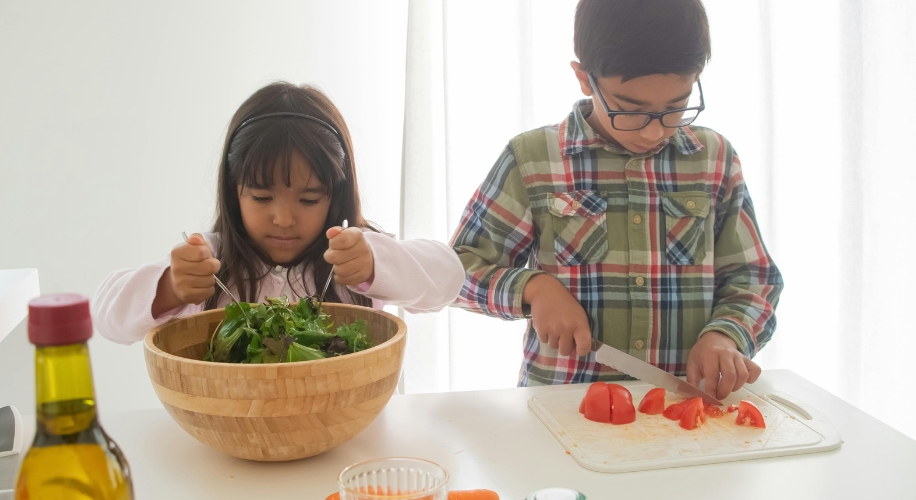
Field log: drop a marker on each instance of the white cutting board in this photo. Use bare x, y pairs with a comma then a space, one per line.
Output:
654, 442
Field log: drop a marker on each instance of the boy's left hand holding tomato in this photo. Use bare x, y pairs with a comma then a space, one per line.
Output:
716, 354
351, 256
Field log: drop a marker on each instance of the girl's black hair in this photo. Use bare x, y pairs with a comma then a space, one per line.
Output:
250, 157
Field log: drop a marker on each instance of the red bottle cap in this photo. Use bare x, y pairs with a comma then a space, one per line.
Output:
59, 319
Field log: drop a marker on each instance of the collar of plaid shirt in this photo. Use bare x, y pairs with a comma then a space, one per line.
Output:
576, 136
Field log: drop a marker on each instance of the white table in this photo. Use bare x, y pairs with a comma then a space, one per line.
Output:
17, 288
490, 439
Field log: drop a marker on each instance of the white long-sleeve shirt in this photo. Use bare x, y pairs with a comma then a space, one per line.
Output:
418, 275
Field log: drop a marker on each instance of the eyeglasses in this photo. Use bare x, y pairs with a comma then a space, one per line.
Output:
634, 120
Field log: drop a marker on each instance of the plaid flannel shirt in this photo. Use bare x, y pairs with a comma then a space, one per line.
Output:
658, 247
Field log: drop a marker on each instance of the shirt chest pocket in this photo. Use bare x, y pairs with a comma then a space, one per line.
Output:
685, 221
580, 227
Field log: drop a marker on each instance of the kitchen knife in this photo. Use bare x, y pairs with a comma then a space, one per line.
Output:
623, 362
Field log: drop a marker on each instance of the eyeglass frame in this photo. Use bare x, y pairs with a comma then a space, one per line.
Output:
652, 116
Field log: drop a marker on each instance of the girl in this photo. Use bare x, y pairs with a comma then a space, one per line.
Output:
286, 183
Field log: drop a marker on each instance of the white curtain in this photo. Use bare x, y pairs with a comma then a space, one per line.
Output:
478, 73
818, 97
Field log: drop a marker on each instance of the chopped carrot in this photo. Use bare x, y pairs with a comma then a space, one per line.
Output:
452, 495
473, 495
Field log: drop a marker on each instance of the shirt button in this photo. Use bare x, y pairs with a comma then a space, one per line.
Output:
691, 205
576, 205
637, 219
640, 344
640, 281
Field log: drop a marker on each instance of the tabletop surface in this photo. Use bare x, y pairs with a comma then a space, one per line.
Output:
490, 439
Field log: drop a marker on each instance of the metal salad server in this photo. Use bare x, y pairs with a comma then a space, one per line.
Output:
225, 289
328, 282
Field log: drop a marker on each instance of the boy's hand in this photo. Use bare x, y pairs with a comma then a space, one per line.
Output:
351, 256
192, 270
716, 354
557, 316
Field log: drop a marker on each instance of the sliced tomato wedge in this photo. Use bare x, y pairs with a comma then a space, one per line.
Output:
622, 409
693, 415
596, 405
713, 411
653, 403
749, 414
673, 411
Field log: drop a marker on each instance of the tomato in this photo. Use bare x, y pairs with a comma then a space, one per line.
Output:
713, 411
654, 402
596, 405
622, 410
673, 411
609, 403
732, 408
749, 414
693, 415
676, 410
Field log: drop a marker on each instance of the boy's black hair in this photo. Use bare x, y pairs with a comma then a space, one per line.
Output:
633, 38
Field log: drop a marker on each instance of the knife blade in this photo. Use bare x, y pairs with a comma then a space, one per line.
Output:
623, 362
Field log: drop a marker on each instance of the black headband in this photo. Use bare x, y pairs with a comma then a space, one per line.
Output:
287, 113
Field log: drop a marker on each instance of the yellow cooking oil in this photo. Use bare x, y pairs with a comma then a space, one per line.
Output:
77, 471
71, 458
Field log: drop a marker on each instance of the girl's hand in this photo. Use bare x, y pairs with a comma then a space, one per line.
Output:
351, 256
716, 354
189, 279
192, 270
557, 316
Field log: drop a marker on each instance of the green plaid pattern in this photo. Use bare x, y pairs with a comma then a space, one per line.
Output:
658, 247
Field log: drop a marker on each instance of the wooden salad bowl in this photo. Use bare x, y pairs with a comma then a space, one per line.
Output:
274, 412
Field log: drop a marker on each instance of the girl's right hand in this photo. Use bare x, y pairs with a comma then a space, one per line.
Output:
192, 270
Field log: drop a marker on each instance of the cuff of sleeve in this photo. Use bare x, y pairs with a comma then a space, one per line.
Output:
149, 322
378, 284
505, 292
127, 316
736, 331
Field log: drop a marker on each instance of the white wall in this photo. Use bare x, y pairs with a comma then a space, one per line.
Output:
112, 115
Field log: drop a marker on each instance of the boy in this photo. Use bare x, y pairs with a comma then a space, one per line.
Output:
623, 223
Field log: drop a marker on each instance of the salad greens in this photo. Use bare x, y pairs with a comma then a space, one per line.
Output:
281, 333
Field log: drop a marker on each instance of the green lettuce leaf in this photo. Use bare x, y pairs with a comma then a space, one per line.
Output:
299, 352
223, 347
280, 332
356, 334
